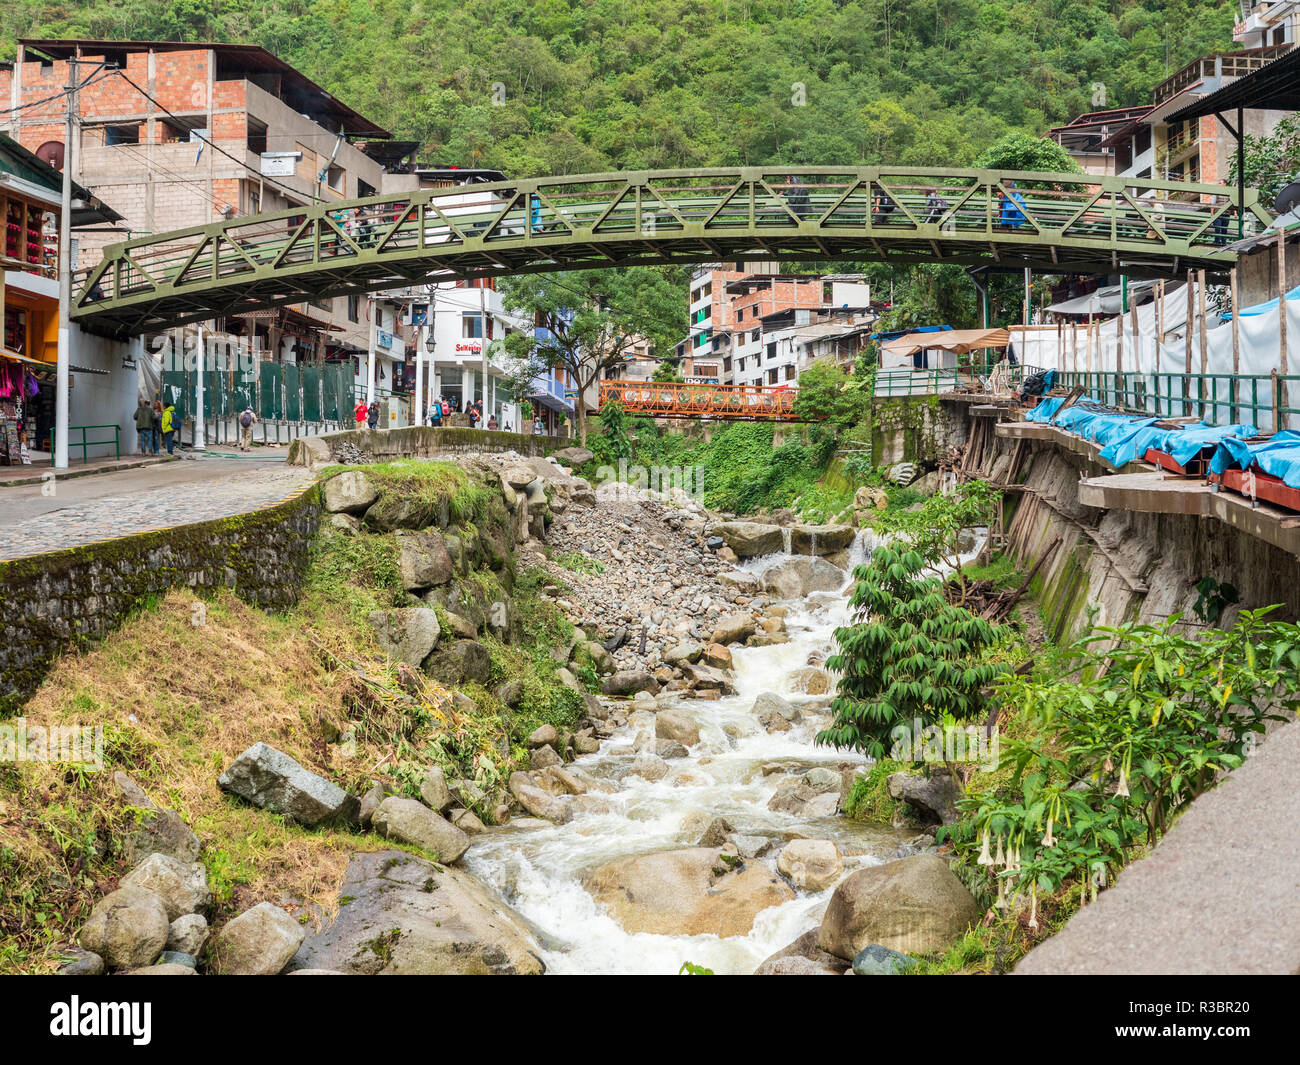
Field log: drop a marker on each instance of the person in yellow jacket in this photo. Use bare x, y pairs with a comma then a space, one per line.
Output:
169, 428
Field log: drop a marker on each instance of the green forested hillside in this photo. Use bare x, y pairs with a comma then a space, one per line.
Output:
567, 86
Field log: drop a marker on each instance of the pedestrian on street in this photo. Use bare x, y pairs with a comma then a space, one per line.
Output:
472, 412
157, 425
247, 420
435, 414
360, 413
538, 428
169, 428
492, 423
372, 415
144, 426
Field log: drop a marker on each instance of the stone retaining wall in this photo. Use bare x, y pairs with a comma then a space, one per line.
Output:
425, 442
67, 599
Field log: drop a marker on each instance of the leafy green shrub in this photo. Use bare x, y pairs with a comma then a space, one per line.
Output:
1132, 732
909, 656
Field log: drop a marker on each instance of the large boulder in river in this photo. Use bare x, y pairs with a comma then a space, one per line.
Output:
406, 634
687, 892
809, 680
272, 780
774, 713
127, 928
749, 538
351, 492
408, 821
820, 539
934, 797
676, 725
734, 628
798, 577
811, 864
914, 905
405, 915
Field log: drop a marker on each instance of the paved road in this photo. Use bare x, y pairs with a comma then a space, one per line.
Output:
1219, 894
86, 509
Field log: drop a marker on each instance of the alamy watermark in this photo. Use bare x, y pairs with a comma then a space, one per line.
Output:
678, 482
940, 744
63, 744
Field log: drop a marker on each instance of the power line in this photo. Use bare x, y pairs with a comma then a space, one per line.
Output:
212, 143
98, 74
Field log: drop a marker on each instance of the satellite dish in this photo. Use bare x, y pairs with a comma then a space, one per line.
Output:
1288, 199
51, 152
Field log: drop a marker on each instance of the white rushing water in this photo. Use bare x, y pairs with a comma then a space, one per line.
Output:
539, 870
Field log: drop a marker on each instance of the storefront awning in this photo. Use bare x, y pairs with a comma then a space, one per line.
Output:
42, 369
958, 341
545, 399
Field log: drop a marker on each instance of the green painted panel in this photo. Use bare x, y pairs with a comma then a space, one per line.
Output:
292, 394
269, 386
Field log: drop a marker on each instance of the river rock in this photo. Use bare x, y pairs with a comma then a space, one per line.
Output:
716, 834
798, 577
741, 581
187, 934
933, 797
820, 539
815, 961
876, 960
422, 560
718, 656
259, 942
734, 628
78, 962
750, 846
543, 736
914, 905
434, 790
676, 725
749, 538
272, 780
685, 892
127, 928
535, 800
350, 492
670, 749
629, 682
811, 864
182, 887
408, 916
163, 969
543, 757
412, 822
407, 634
464, 662
809, 680
774, 713
649, 767
702, 678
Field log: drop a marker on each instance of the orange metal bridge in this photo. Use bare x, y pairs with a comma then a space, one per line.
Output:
701, 401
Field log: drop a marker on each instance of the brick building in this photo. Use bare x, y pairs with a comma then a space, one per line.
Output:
179, 134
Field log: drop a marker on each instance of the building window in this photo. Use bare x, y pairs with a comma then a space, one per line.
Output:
471, 326
771, 376
754, 336
354, 308
335, 178
771, 350
364, 188
789, 373
256, 137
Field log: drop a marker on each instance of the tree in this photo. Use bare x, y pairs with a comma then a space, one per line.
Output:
666, 373
1272, 161
587, 320
934, 529
910, 656
1023, 151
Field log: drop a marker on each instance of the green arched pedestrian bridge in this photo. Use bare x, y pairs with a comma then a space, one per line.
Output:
1051, 223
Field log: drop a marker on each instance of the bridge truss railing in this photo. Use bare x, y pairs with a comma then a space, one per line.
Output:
1070, 221
672, 400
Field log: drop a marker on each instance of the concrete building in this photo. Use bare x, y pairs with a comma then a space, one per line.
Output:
186, 134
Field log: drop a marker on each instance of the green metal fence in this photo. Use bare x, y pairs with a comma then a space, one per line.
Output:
1265, 400
278, 393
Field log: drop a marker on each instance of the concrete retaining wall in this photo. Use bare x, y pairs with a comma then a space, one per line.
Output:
67, 599
385, 445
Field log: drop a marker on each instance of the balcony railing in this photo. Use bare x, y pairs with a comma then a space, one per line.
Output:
1223, 65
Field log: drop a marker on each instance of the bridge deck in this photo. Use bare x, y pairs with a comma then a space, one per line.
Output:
1057, 223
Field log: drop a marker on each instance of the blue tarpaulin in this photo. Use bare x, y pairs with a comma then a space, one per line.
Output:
1125, 437
1279, 456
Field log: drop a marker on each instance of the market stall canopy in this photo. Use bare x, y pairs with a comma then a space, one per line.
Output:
958, 341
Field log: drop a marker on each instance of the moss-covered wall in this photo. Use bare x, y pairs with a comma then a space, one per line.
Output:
65, 599
383, 445
913, 429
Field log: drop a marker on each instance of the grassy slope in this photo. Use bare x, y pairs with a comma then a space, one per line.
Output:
179, 700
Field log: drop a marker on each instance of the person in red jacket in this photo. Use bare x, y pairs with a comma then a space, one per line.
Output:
361, 413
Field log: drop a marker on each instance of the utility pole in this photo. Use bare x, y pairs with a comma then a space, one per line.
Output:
63, 364
417, 405
370, 355
200, 365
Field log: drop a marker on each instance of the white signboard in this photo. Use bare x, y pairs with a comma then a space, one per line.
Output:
280, 164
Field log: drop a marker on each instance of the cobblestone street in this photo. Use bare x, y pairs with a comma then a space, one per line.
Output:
88, 509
